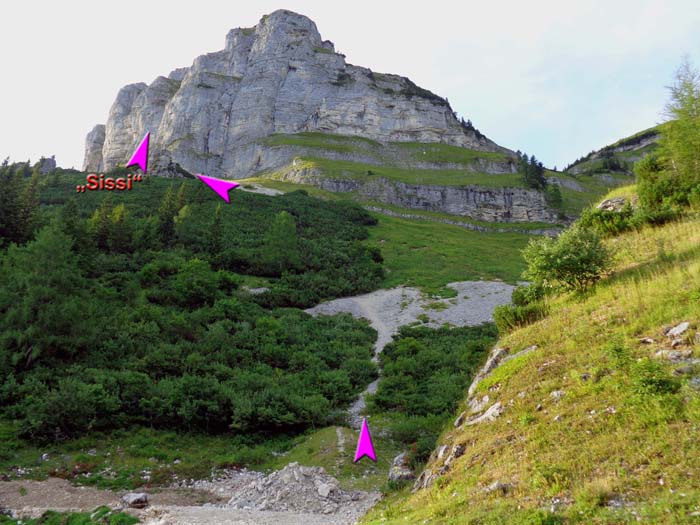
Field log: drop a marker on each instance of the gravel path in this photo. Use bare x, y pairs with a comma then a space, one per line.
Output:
388, 310
256, 188
341, 440
33, 498
301, 495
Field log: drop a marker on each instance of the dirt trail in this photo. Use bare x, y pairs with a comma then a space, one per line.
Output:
341, 440
221, 516
388, 310
33, 498
207, 502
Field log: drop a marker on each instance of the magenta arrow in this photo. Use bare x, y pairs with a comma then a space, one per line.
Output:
364, 444
140, 156
220, 186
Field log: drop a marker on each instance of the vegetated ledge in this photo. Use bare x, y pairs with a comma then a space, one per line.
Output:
367, 154
550, 232
491, 204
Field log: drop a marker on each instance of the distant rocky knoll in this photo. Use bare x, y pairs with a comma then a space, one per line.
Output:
618, 157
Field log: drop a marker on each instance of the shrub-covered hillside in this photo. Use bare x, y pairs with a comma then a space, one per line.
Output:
133, 308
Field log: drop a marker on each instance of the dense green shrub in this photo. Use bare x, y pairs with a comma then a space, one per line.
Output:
607, 223
526, 294
658, 186
18, 202
553, 196
509, 317
573, 261
527, 306
649, 378
610, 223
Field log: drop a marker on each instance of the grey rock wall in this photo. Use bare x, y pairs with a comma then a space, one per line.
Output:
277, 77
94, 143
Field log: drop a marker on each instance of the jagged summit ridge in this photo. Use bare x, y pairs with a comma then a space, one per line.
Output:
277, 77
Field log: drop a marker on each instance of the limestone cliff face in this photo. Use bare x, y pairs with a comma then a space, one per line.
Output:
93, 148
277, 77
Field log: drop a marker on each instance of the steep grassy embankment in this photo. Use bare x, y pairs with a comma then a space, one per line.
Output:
598, 426
430, 254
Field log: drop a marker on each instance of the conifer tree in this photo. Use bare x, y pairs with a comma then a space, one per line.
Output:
10, 205
101, 224
216, 232
166, 217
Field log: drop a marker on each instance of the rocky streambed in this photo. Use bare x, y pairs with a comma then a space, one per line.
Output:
294, 495
388, 310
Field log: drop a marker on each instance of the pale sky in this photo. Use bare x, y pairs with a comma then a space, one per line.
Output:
553, 78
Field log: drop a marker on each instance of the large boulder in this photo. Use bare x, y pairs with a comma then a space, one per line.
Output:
400, 469
135, 500
615, 204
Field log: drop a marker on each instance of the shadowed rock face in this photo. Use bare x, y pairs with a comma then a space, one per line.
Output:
93, 148
277, 77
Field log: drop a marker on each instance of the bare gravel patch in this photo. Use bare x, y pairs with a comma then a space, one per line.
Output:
388, 310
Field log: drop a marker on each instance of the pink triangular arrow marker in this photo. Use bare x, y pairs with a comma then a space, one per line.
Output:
364, 444
140, 156
220, 186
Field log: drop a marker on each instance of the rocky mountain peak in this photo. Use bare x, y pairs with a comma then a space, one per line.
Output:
283, 30
277, 77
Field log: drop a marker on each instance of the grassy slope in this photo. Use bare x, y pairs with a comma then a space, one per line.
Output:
610, 443
433, 152
593, 189
431, 254
343, 169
